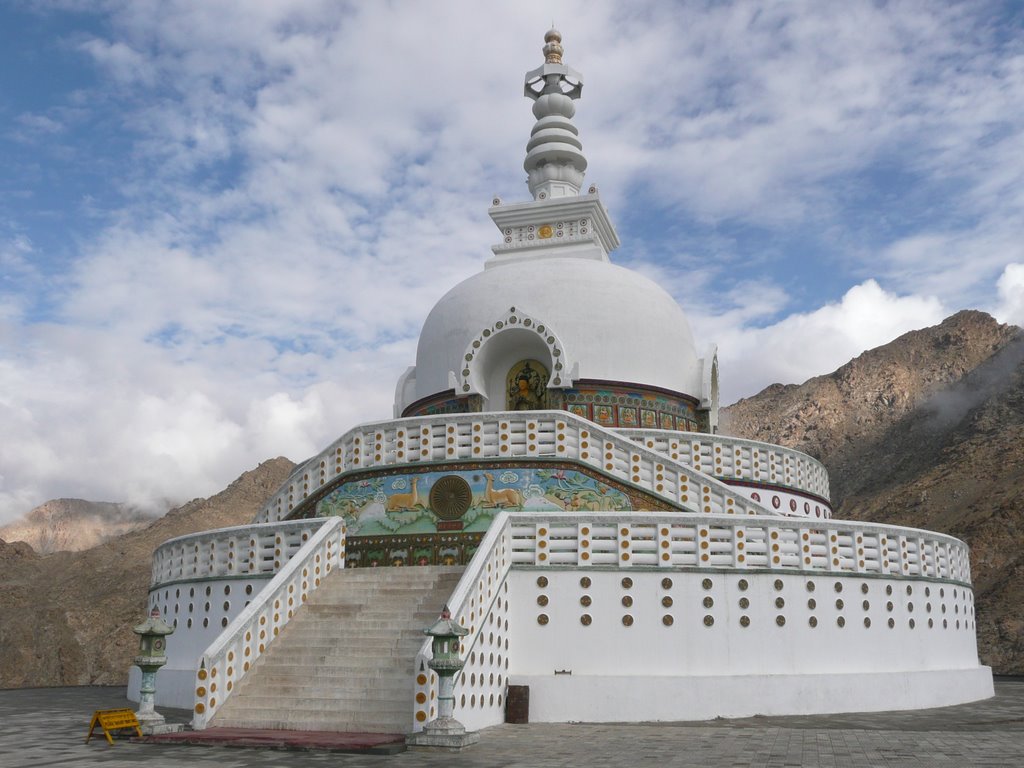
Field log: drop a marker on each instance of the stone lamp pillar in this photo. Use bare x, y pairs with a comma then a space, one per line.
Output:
152, 655
445, 731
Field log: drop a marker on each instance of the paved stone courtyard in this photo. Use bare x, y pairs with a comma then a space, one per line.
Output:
47, 727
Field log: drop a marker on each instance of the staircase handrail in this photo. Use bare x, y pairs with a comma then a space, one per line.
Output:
228, 658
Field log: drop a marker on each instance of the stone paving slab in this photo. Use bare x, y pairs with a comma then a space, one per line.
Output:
47, 727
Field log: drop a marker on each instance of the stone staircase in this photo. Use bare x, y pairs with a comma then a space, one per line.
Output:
345, 660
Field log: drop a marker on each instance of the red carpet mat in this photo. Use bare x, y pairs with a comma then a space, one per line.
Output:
330, 741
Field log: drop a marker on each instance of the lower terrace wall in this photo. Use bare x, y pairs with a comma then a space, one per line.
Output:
646, 699
199, 610
645, 644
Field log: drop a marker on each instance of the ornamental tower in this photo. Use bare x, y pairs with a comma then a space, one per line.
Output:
551, 322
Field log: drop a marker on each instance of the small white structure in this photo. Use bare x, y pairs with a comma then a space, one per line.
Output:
558, 438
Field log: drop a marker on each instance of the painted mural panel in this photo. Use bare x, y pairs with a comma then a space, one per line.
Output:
622, 405
432, 502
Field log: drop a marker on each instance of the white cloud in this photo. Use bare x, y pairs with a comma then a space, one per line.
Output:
33, 126
959, 267
807, 344
103, 416
123, 62
1010, 308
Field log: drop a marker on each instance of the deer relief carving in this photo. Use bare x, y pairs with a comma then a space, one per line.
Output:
503, 497
399, 501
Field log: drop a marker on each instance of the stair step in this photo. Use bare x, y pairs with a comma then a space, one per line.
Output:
360, 629
366, 691
320, 699
310, 716
328, 644
285, 685
292, 671
310, 657
371, 629
346, 659
341, 726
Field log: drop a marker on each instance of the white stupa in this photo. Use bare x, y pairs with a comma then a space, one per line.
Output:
553, 473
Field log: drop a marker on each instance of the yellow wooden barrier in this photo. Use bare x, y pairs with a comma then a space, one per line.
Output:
113, 720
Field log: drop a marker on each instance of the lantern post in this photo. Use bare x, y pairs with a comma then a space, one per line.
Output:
445, 731
152, 634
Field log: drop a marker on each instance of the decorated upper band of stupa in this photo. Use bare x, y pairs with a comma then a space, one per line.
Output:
671, 470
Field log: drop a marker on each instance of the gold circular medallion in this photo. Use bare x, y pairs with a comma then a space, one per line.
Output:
545, 231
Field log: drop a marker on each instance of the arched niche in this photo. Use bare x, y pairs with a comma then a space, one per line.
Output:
510, 340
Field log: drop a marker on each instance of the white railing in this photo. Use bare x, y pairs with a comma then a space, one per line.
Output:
510, 435
734, 458
479, 603
703, 541
245, 550
229, 658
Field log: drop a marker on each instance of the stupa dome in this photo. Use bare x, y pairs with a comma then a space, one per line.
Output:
608, 323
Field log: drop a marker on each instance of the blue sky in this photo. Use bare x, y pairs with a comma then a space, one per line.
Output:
223, 223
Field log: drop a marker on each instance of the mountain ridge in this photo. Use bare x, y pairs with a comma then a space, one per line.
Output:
945, 453
71, 525
80, 634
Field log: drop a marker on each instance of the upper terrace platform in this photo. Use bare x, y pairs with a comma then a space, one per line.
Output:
691, 471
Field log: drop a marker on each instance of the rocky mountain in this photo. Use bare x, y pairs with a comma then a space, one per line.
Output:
71, 525
66, 618
926, 431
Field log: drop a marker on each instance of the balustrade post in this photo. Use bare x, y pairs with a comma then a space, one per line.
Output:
664, 545
582, 544
625, 543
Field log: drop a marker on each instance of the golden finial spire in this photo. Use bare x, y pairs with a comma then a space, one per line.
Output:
553, 46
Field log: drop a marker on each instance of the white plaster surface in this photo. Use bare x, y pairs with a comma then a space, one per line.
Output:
606, 698
616, 324
174, 687
688, 670
175, 682
688, 646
